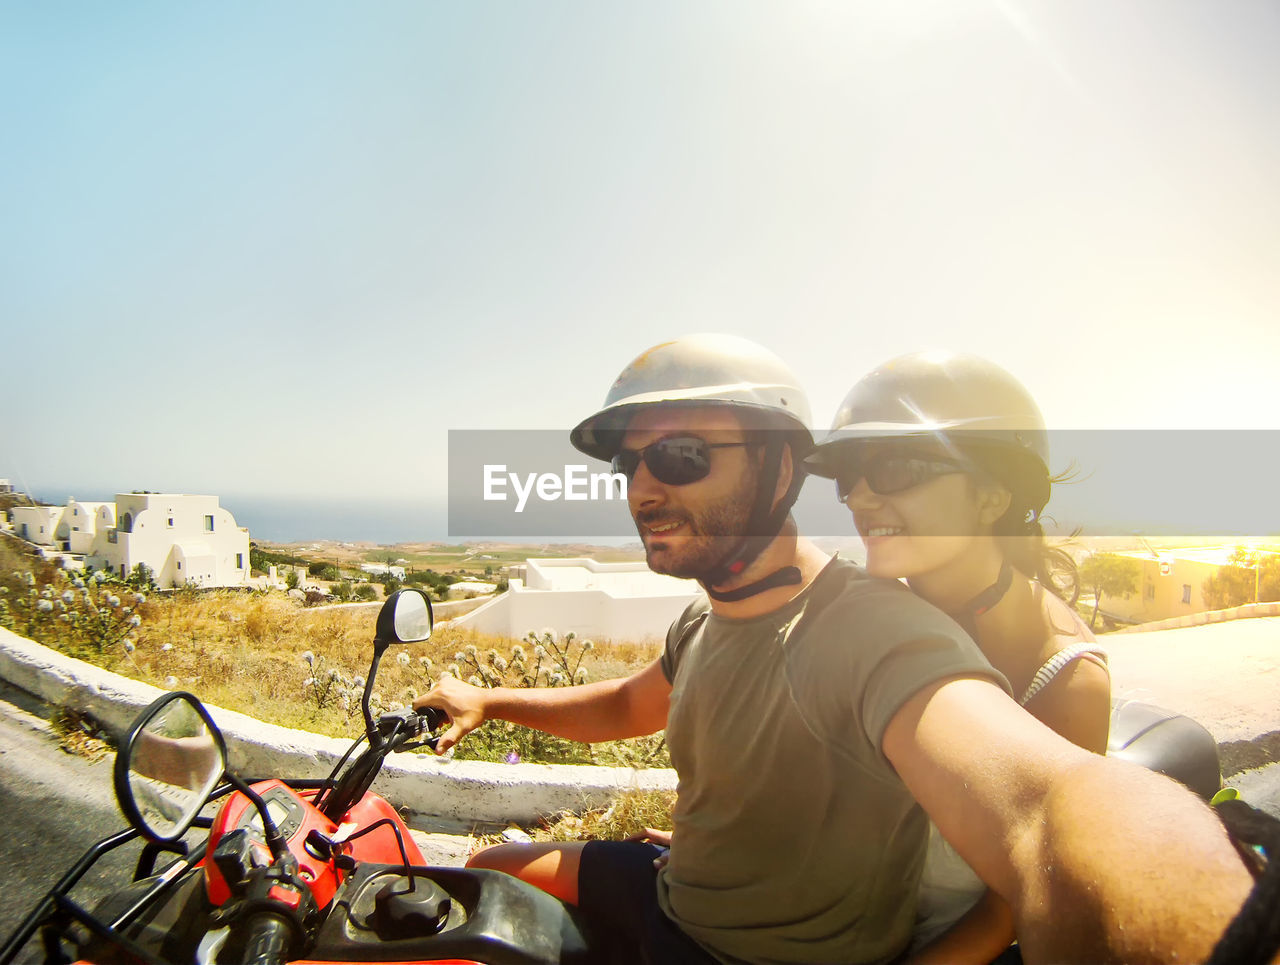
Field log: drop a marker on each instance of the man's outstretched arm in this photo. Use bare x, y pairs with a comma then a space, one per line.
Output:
604, 710
1100, 860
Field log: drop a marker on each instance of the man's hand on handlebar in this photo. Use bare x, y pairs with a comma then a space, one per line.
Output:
462, 702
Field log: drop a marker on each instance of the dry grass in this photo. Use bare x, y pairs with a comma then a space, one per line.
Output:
79, 736
629, 815
271, 657
248, 653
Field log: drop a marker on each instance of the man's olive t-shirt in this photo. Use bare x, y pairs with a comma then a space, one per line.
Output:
795, 841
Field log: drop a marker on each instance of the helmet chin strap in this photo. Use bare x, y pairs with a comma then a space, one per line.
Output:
763, 526
985, 600
787, 576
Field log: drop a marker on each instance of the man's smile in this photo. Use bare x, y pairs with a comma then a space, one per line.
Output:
662, 529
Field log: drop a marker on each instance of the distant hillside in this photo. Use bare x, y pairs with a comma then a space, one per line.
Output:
474, 558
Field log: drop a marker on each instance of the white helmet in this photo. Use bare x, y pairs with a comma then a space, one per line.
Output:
718, 370
710, 369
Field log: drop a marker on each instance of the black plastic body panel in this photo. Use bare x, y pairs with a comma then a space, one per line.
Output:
494, 918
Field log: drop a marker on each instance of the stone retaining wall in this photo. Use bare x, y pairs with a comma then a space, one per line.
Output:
1246, 612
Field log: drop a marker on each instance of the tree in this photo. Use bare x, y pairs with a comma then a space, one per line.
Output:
291, 579
323, 571
1249, 576
1110, 574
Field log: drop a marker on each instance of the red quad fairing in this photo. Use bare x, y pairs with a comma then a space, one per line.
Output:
300, 819
379, 845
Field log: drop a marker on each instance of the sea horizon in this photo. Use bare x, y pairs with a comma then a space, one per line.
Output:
278, 519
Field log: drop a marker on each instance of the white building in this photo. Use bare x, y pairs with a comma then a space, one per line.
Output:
383, 569
36, 524
469, 588
184, 539
80, 524
617, 601
1171, 583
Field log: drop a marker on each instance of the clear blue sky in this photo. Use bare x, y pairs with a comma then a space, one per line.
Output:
279, 249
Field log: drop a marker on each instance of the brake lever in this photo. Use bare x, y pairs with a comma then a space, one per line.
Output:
425, 742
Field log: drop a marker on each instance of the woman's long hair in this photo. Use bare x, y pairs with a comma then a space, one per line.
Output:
1019, 532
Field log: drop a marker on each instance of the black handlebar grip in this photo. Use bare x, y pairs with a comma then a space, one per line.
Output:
267, 940
435, 717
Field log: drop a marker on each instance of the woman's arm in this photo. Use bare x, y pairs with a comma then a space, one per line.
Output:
982, 933
1077, 704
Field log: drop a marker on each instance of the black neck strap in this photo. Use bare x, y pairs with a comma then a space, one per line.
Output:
993, 594
787, 576
763, 526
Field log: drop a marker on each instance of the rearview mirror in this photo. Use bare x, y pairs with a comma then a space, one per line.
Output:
406, 617
171, 759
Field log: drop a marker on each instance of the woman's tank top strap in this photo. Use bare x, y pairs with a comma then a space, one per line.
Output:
1054, 665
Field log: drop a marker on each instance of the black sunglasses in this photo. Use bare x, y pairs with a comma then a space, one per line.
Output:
676, 461
893, 473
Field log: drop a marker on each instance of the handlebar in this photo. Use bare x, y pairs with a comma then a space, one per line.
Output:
393, 731
266, 940
410, 724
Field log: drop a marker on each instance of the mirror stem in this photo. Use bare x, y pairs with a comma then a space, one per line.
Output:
379, 648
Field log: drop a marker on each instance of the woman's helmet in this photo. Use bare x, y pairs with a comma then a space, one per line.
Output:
964, 402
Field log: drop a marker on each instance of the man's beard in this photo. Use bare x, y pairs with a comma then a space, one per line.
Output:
714, 535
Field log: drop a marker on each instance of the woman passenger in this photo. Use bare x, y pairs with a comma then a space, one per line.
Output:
943, 461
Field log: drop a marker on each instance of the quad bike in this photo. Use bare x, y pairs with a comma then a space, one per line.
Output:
292, 870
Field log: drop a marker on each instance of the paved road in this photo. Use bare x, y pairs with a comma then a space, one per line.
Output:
55, 806
1261, 788
1225, 675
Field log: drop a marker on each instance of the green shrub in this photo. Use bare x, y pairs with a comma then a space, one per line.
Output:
142, 577
262, 560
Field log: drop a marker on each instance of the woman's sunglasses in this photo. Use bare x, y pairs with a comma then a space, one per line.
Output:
893, 473
676, 461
